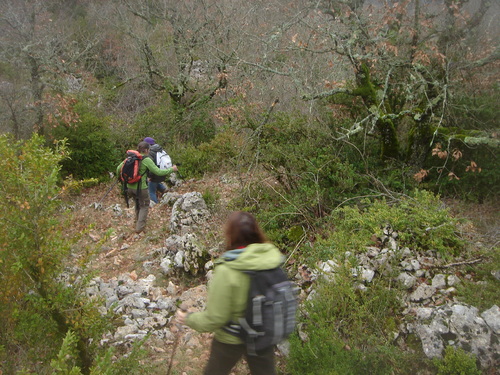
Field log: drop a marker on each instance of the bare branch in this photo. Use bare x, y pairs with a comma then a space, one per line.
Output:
326, 94
495, 56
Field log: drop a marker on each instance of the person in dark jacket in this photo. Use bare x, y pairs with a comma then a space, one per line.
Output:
155, 182
247, 249
139, 190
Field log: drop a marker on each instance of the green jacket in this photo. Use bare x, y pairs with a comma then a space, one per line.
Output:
150, 165
228, 289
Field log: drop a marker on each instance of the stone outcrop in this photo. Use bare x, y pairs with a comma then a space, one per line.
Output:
461, 326
189, 213
144, 307
185, 252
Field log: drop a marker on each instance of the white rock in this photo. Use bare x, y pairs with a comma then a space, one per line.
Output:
492, 318
439, 281
367, 275
415, 264
408, 281
422, 293
179, 259
166, 265
453, 280
424, 313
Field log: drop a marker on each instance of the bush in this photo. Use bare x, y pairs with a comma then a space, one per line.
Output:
169, 125
217, 155
421, 222
482, 290
470, 172
349, 331
305, 160
37, 307
456, 362
302, 176
90, 144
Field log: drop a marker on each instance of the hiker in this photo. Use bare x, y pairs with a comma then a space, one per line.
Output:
246, 249
138, 190
155, 182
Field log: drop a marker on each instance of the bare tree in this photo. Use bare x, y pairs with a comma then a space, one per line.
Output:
38, 48
401, 60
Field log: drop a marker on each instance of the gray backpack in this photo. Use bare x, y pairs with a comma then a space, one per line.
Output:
270, 312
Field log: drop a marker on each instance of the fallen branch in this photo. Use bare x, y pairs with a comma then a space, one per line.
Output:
111, 252
464, 263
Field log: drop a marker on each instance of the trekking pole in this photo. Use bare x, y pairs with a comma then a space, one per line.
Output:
176, 344
98, 204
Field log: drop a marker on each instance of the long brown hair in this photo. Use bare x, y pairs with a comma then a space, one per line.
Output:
242, 230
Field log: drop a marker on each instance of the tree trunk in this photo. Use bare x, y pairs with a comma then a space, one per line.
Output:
389, 145
37, 88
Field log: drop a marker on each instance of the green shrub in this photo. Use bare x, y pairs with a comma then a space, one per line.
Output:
421, 222
349, 331
64, 363
106, 363
37, 307
170, 125
211, 197
305, 160
457, 362
483, 294
217, 155
92, 150
473, 176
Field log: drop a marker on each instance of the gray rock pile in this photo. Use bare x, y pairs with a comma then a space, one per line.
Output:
189, 213
441, 320
144, 307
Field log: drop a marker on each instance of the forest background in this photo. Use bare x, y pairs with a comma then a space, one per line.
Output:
322, 109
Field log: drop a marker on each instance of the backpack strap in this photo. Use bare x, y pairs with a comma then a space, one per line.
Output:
252, 335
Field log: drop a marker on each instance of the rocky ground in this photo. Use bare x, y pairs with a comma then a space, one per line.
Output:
127, 265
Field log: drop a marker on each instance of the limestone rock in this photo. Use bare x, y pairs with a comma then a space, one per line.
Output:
189, 212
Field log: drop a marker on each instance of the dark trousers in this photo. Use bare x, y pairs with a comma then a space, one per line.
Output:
141, 207
223, 357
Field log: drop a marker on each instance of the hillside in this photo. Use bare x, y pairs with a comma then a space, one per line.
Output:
125, 253
127, 256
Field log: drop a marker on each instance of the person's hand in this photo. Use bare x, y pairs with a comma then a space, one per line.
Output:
174, 168
180, 316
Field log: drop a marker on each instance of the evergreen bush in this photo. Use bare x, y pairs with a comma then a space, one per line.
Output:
89, 141
348, 331
420, 220
215, 156
38, 306
456, 362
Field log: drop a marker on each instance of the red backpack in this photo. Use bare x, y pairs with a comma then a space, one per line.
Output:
130, 169
129, 173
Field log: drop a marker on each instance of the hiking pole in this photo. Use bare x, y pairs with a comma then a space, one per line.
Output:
176, 344
98, 205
